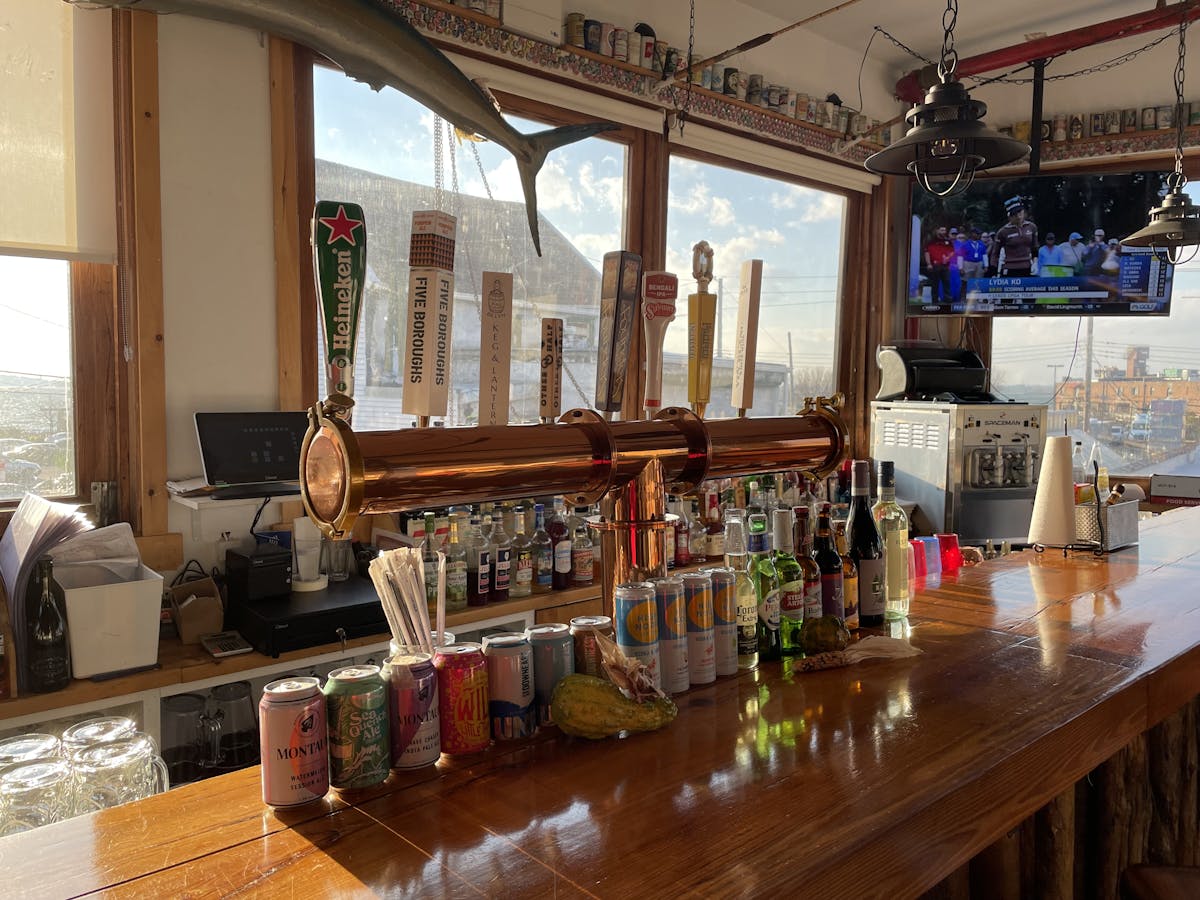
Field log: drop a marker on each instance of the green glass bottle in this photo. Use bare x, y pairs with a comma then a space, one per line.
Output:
791, 584
48, 659
766, 588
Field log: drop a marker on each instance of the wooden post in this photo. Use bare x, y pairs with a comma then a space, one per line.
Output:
1054, 853
1165, 760
996, 871
955, 886
1189, 810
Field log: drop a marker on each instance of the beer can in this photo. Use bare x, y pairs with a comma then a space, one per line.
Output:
591, 35
510, 685
730, 79
1112, 121
670, 61
648, 44
672, 634
574, 29
633, 44
1149, 118
587, 651
607, 29
698, 595
462, 698
716, 81
1059, 131
636, 625
1129, 120
620, 44
1164, 117
414, 726
1096, 124
697, 75
293, 742
553, 659
357, 708
1194, 114
754, 89
787, 102
724, 582
659, 63
774, 92
812, 112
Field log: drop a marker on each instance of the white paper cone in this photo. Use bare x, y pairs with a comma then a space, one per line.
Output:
1053, 522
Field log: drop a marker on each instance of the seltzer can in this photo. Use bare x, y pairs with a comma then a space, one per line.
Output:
510, 685
553, 659
587, 651
360, 751
702, 660
462, 698
413, 700
672, 634
636, 625
724, 582
293, 742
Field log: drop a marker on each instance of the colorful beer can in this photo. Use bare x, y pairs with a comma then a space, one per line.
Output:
414, 725
633, 44
607, 30
636, 625
672, 634
357, 708
574, 29
293, 742
702, 661
620, 44
587, 651
553, 659
730, 80
754, 89
648, 44
659, 64
462, 698
591, 34
724, 582
671, 61
510, 685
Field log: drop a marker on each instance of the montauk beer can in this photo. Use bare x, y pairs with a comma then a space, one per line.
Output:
636, 624
359, 748
724, 582
672, 635
510, 685
293, 742
413, 701
702, 660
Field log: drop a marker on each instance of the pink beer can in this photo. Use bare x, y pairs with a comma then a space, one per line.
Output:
293, 742
463, 698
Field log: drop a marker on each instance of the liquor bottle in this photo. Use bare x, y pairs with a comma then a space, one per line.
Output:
479, 565
429, 560
766, 587
893, 525
754, 501
543, 552
802, 540
522, 557
583, 559
715, 547
683, 547
501, 560
849, 577
1078, 474
866, 548
830, 563
745, 599
791, 583
48, 657
560, 540
697, 534
456, 568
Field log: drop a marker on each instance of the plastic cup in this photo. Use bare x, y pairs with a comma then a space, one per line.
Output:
917, 558
949, 552
933, 555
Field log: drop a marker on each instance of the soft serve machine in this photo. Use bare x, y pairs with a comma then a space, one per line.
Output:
967, 460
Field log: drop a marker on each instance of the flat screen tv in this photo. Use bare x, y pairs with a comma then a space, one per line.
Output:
1033, 246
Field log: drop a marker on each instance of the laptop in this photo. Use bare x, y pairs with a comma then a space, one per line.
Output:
251, 454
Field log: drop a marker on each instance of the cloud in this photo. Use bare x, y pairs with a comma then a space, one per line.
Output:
699, 199
814, 205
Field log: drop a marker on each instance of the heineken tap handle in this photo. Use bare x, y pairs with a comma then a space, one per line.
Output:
339, 241
620, 284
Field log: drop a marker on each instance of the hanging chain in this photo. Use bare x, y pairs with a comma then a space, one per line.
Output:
1178, 178
949, 55
453, 168
687, 100
439, 175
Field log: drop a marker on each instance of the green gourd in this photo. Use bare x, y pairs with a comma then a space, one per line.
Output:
590, 707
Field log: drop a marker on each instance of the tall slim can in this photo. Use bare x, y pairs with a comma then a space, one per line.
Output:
636, 624
724, 582
702, 650
672, 634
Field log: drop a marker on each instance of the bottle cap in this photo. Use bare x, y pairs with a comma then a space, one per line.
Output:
887, 473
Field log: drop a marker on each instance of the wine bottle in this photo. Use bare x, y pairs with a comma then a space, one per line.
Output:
47, 652
866, 548
543, 552
893, 525
560, 538
830, 564
456, 568
791, 584
849, 577
766, 588
802, 541
715, 550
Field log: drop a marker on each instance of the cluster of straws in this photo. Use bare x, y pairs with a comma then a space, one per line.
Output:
399, 579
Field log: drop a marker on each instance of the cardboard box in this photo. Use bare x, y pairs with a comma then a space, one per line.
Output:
205, 614
1175, 490
113, 626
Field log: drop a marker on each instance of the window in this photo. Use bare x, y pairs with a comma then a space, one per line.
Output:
797, 232
1130, 385
378, 150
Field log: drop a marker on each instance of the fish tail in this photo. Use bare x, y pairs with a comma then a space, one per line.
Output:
530, 163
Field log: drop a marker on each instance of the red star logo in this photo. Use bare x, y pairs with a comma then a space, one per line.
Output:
340, 226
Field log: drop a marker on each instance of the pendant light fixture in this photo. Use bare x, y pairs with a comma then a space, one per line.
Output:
1174, 230
946, 142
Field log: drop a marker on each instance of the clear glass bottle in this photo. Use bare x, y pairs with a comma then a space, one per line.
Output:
429, 559
791, 583
715, 528
682, 535
47, 652
893, 526
583, 557
738, 559
479, 565
802, 543
522, 557
1078, 467
697, 534
766, 587
543, 552
456, 568
560, 537
501, 561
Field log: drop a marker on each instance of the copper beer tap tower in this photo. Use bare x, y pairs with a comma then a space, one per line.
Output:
628, 466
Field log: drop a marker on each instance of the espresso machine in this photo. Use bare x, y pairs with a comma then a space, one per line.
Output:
968, 460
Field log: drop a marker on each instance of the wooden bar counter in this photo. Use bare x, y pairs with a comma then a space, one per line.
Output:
881, 779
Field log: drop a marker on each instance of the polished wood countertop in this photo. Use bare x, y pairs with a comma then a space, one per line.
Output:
873, 780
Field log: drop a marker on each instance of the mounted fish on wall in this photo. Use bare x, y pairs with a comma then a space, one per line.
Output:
375, 46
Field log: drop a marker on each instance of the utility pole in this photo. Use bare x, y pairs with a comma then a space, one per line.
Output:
791, 378
1054, 384
1087, 384
720, 303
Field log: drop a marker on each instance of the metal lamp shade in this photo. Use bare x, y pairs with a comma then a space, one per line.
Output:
1173, 226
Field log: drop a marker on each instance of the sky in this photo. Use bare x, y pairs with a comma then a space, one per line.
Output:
35, 335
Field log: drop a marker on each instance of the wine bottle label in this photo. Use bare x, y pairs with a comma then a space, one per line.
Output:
544, 563
831, 595
562, 556
525, 568
485, 571
503, 561
715, 545
791, 600
870, 587
583, 561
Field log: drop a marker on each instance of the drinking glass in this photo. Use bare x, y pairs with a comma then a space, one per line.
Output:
239, 727
949, 552
116, 772
933, 555
338, 560
100, 730
26, 748
183, 736
307, 558
35, 793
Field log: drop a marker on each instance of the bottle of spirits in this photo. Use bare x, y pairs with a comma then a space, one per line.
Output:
522, 557
791, 583
893, 525
830, 564
543, 552
456, 568
715, 548
429, 560
683, 545
866, 548
560, 538
803, 543
582, 555
1078, 473
746, 601
49, 659
849, 577
479, 565
501, 561
697, 534
766, 588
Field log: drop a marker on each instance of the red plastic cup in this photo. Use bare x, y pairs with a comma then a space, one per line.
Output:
918, 558
951, 555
